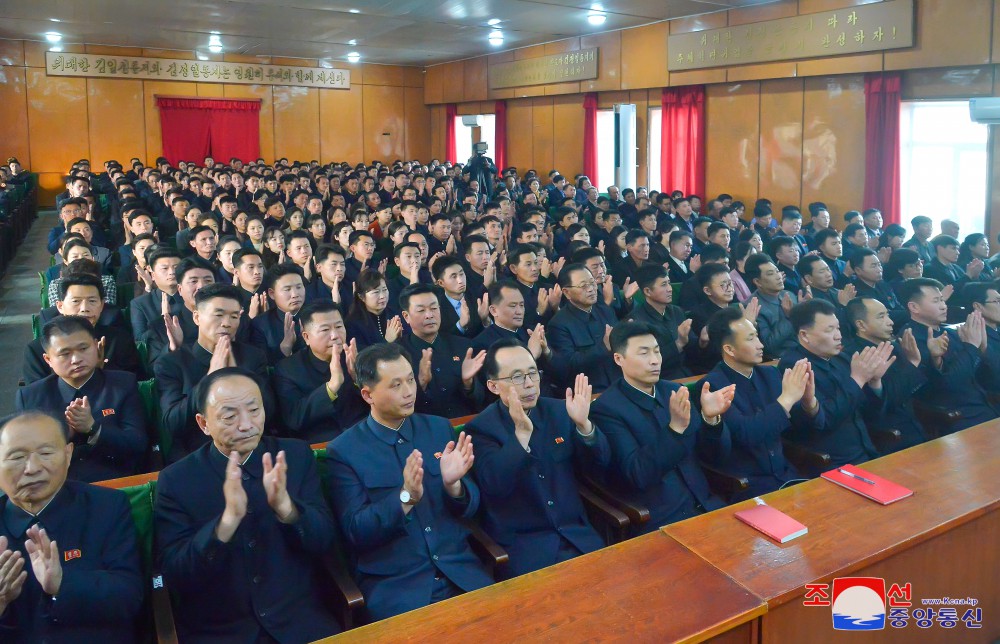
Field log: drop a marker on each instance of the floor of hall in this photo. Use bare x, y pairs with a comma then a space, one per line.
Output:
19, 299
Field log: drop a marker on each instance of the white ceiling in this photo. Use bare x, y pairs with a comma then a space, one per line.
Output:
407, 32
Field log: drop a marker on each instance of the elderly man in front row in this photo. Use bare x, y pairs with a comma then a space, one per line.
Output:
69, 564
241, 524
398, 483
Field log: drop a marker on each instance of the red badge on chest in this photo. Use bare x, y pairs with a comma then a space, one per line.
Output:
108, 412
69, 555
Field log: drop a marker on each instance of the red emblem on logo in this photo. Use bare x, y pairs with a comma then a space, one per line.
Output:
72, 554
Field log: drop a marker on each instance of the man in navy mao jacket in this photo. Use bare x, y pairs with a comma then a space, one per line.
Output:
655, 436
399, 487
527, 447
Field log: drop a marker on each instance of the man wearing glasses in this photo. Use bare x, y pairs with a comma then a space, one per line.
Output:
526, 449
578, 333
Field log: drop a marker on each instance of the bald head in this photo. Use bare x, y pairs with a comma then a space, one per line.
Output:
231, 410
34, 459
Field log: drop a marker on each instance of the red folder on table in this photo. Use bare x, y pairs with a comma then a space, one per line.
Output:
867, 484
774, 523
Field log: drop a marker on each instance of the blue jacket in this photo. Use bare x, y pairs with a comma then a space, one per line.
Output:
893, 408
396, 555
757, 423
665, 329
267, 332
652, 463
838, 429
577, 342
102, 586
306, 409
531, 500
445, 395
954, 386
120, 447
266, 580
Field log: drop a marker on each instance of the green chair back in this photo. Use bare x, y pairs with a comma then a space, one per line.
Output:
638, 299
675, 288
140, 498
143, 350
151, 405
36, 325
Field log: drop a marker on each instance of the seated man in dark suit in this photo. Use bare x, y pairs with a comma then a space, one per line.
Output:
667, 321
330, 269
83, 295
944, 267
316, 393
764, 403
175, 327
69, 563
241, 524
101, 408
949, 358
655, 438
147, 310
527, 447
276, 331
217, 320
985, 299
445, 366
892, 408
507, 311
838, 428
399, 486
681, 245
461, 314
248, 267
868, 281
578, 333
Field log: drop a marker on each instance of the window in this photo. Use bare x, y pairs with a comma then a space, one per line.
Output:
605, 151
655, 128
464, 137
943, 164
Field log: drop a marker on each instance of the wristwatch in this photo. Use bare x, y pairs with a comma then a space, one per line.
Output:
405, 498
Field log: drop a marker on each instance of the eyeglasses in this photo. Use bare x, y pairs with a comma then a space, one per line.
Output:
992, 302
588, 286
518, 379
378, 291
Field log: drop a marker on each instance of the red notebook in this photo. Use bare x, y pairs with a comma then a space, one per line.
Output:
867, 484
774, 523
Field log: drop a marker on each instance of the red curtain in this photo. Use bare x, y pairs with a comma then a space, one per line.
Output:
450, 112
500, 134
682, 146
882, 145
590, 137
194, 128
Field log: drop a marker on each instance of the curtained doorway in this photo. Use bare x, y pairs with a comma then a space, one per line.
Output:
222, 128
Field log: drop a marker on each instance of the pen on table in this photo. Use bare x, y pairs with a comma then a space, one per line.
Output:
855, 476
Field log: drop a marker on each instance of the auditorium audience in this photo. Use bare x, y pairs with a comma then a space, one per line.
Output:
362, 306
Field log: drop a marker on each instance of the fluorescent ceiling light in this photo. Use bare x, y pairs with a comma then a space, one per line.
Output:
55, 48
53, 36
352, 41
200, 55
353, 57
215, 49
354, 11
493, 22
496, 38
595, 18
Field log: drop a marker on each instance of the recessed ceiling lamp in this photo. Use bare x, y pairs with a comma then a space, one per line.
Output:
352, 41
53, 36
353, 57
55, 48
496, 38
354, 11
493, 22
200, 55
215, 49
596, 18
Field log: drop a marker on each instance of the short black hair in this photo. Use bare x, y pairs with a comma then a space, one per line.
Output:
714, 253
707, 272
366, 364
822, 236
323, 252
278, 271
189, 264
205, 385
65, 325
242, 253
751, 268
565, 279
491, 368
720, 328
856, 310
807, 264
219, 289
410, 290
317, 307
625, 331
646, 275
858, 258
441, 264
80, 279
912, 290
803, 315
944, 240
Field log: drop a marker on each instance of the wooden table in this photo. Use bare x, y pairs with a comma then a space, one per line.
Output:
647, 589
944, 540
